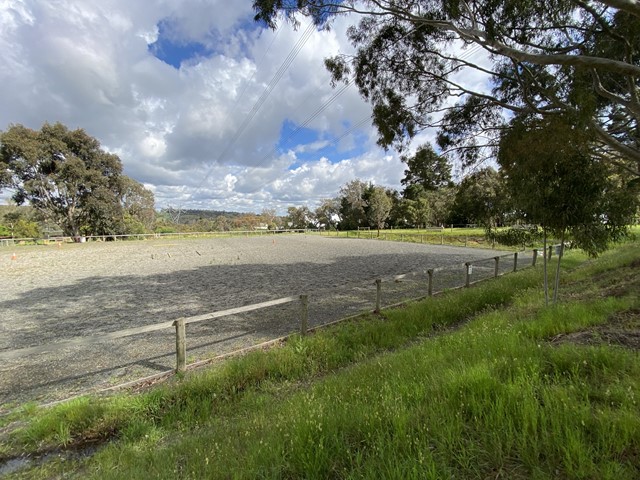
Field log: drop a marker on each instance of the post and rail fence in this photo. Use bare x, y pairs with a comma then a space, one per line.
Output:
7, 242
180, 323
361, 233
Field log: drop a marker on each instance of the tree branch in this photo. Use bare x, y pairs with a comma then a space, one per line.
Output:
630, 6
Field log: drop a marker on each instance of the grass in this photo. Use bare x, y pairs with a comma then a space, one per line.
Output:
470, 384
460, 237
457, 237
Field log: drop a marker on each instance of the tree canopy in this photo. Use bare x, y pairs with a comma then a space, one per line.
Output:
70, 180
556, 182
379, 206
480, 199
425, 169
353, 204
577, 58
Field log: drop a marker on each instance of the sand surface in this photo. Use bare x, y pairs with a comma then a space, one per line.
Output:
55, 293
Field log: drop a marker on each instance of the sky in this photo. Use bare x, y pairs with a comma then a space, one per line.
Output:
205, 107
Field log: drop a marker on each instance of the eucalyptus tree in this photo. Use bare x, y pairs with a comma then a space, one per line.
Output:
425, 169
353, 204
571, 57
555, 181
379, 206
66, 176
417, 207
480, 199
327, 213
300, 217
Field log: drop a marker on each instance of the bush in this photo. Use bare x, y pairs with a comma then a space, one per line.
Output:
26, 229
524, 236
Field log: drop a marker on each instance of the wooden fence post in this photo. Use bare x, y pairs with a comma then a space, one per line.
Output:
402, 237
550, 251
515, 261
467, 275
535, 257
496, 268
378, 294
181, 346
465, 240
304, 319
442, 239
421, 238
430, 288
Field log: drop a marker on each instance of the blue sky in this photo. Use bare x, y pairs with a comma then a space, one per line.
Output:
195, 99
174, 51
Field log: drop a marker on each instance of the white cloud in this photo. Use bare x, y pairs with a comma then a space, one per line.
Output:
88, 64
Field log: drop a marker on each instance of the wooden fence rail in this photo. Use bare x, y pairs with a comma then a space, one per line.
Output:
6, 242
181, 323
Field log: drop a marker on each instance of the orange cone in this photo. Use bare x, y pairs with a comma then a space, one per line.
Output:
13, 257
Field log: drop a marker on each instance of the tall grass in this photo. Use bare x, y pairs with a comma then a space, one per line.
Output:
415, 393
488, 400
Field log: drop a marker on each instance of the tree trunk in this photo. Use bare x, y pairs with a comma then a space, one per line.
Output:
544, 269
557, 279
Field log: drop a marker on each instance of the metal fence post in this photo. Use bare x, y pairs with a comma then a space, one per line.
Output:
378, 294
304, 319
535, 257
430, 288
181, 345
467, 274
515, 261
496, 268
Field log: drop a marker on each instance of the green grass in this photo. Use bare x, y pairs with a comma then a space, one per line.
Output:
457, 237
465, 385
460, 237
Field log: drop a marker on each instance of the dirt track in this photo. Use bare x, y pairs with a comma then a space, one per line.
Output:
52, 293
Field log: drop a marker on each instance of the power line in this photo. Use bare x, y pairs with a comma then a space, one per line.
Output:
265, 94
309, 119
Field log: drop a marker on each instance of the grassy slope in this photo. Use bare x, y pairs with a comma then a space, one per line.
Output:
388, 398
